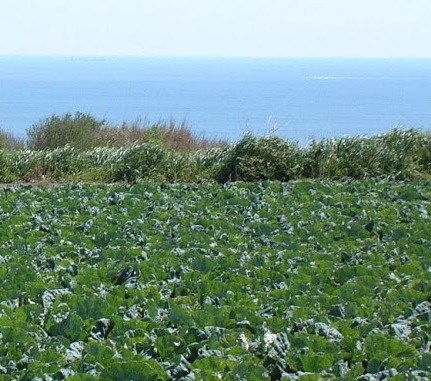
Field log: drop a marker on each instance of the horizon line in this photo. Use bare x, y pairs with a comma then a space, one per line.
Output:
106, 56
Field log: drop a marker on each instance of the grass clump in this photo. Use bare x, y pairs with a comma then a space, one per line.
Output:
171, 135
267, 158
180, 137
140, 161
399, 153
9, 142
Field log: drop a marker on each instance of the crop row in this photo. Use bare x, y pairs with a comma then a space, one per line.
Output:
301, 281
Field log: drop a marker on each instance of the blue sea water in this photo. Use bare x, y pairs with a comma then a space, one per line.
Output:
298, 99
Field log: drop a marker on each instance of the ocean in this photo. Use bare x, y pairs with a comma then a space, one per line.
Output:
297, 99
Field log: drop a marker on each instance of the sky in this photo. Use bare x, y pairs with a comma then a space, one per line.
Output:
250, 28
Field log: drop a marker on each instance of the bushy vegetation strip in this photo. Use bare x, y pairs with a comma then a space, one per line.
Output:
84, 131
303, 280
398, 154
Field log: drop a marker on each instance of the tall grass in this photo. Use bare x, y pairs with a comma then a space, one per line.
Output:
173, 136
398, 153
171, 152
9, 141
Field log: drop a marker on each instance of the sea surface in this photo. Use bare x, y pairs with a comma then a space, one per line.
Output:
298, 99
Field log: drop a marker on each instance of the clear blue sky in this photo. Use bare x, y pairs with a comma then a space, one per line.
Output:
293, 28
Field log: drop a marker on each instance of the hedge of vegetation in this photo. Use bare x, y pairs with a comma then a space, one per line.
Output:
84, 131
398, 154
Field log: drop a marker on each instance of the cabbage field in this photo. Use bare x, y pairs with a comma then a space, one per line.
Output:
302, 280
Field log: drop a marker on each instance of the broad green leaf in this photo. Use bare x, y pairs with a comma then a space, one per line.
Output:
143, 370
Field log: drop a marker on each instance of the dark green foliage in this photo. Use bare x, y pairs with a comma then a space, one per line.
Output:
139, 370
260, 281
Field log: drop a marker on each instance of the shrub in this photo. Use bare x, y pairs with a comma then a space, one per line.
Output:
267, 158
78, 131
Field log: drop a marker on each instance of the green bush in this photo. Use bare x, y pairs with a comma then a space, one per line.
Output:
78, 131
266, 158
